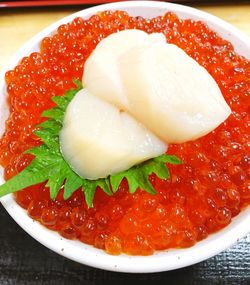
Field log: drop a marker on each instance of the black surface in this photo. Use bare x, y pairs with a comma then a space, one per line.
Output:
23, 261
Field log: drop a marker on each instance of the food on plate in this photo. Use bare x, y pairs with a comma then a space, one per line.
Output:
204, 192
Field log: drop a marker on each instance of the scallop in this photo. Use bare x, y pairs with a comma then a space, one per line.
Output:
170, 93
98, 140
101, 74
157, 83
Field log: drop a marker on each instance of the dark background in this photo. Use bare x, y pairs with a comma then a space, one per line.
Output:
23, 261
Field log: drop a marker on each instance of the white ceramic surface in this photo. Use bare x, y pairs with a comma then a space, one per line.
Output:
163, 260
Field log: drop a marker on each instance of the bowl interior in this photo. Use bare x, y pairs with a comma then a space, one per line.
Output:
75, 250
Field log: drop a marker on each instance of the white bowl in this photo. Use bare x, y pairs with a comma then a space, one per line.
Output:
162, 260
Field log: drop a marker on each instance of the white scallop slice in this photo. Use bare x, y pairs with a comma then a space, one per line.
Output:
98, 140
170, 93
101, 74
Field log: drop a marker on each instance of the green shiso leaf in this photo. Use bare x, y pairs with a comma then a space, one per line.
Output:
73, 182
49, 165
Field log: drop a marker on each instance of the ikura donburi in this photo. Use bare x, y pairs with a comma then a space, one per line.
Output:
204, 193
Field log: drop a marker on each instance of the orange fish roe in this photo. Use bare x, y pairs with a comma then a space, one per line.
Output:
203, 194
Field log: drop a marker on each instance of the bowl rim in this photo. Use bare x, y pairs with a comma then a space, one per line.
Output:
85, 254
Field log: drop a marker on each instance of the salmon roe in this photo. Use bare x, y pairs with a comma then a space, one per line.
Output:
203, 194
